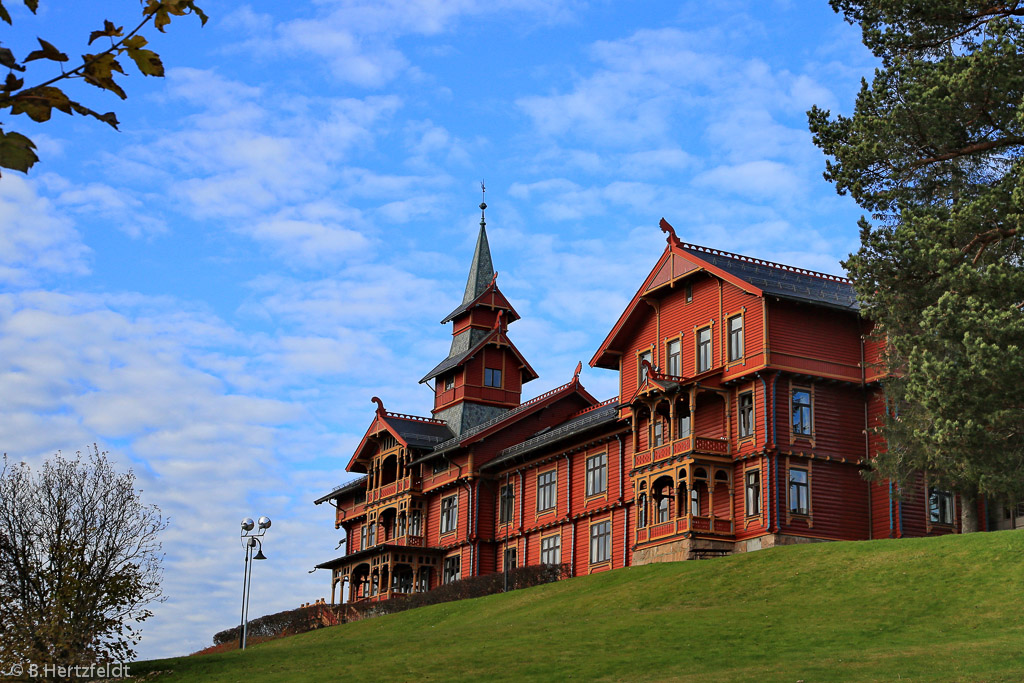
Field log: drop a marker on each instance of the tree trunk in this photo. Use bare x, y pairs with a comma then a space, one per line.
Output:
968, 512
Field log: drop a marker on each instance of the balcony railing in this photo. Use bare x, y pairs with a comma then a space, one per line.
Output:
680, 525
687, 444
402, 485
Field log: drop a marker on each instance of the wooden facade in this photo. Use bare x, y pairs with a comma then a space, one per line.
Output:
747, 394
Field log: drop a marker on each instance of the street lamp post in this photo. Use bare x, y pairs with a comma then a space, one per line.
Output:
250, 539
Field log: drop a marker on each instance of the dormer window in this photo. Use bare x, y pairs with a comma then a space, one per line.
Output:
492, 377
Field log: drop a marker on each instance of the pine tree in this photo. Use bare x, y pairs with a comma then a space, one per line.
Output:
935, 152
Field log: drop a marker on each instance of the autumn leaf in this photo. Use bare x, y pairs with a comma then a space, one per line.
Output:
109, 118
148, 61
38, 102
16, 152
108, 30
98, 70
48, 51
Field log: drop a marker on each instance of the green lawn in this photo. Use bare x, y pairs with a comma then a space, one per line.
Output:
940, 609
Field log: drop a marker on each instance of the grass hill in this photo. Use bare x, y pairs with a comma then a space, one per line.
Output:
935, 609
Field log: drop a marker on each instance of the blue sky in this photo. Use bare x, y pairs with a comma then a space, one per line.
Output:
214, 293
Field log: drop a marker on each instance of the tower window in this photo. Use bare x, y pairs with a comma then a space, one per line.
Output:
492, 377
449, 382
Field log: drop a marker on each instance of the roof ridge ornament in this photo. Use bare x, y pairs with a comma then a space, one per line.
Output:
576, 373
497, 319
380, 405
672, 238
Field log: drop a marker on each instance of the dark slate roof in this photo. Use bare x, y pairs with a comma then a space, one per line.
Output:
373, 550
449, 363
481, 271
596, 417
787, 282
419, 434
343, 488
448, 445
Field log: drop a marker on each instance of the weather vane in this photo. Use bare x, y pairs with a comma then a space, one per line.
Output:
483, 204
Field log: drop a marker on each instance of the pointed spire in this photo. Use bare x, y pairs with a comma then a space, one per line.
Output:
481, 271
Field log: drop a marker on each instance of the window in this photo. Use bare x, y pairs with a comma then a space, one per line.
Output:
416, 523
753, 491
659, 431
375, 584
362, 538
440, 465
371, 535
546, 484
510, 558
746, 414
449, 514
423, 580
689, 293
684, 426
736, 337
663, 503
940, 506
641, 511
642, 371
695, 502
601, 542
492, 377
674, 358
703, 349
597, 474
452, 568
802, 412
551, 550
449, 382
508, 503
799, 503
401, 525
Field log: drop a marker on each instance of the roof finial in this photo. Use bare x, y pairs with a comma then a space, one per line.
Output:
671, 238
483, 204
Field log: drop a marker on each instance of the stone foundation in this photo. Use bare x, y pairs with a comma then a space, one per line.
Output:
685, 549
772, 540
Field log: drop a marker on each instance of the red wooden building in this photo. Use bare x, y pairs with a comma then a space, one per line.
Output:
746, 393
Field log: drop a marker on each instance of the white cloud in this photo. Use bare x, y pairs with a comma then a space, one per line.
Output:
758, 179
36, 239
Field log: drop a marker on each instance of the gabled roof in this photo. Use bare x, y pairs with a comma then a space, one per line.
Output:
755, 276
491, 297
586, 420
484, 429
412, 431
496, 336
342, 489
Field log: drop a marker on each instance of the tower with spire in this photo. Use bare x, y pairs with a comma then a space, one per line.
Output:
483, 375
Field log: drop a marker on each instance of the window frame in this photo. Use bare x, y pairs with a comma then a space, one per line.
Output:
449, 576
707, 345
794, 502
492, 375
745, 428
736, 350
506, 502
449, 515
807, 428
511, 553
554, 545
601, 540
550, 488
677, 356
641, 372
415, 523
449, 382
930, 501
596, 473
752, 492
